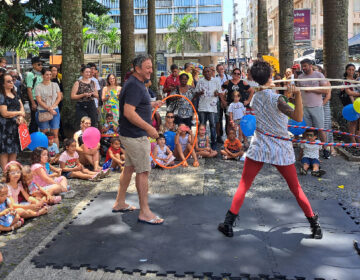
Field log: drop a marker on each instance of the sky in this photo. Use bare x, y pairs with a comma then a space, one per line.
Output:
228, 11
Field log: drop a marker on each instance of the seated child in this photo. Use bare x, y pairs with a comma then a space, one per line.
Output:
183, 145
162, 153
9, 218
115, 156
309, 155
36, 191
31, 207
236, 112
110, 127
71, 166
232, 147
44, 175
202, 146
53, 149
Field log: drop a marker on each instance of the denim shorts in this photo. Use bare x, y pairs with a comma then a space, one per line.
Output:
310, 161
52, 124
67, 174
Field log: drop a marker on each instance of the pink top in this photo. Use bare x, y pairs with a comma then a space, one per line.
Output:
36, 178
14, 193
70, 161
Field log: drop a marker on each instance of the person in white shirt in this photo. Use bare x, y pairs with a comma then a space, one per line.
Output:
236, 112
208, 89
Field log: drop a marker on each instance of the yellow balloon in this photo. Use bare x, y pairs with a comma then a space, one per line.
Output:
357, 105
291, 105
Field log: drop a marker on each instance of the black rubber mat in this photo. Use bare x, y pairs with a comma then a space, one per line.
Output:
271, 238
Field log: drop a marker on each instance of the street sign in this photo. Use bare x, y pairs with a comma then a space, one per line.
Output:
302, 25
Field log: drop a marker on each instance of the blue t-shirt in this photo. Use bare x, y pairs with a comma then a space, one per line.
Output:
134, 93
53, 150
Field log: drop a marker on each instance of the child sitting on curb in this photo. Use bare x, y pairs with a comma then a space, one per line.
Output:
232, 147
115, 156
309, 155
202, 146
162, 153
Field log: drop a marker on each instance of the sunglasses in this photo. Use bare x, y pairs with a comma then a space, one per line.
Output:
15, 172
39, 64
170, 117
10, 81
237, 73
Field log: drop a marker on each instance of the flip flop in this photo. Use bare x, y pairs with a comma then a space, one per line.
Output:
152, 221
124, 210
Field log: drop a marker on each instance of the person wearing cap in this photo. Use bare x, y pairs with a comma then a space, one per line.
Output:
33, 78
295, 70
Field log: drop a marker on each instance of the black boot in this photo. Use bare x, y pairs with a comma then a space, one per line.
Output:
227, 226
315, 227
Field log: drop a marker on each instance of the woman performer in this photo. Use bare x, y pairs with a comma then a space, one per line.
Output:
272, 114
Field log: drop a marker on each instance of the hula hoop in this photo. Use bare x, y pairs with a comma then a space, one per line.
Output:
325, 130
195, 138
309, 142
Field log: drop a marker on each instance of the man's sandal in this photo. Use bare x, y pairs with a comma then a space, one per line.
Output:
303, 171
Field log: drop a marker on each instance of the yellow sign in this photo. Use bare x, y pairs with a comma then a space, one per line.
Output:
273, 62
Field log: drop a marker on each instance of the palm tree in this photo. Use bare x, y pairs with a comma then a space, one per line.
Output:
263, 48
101, 24
127, 26
152, 42
286, 35
54, 38
72, 54
23, 50
86, 38
183, 34
335, 45
112, 42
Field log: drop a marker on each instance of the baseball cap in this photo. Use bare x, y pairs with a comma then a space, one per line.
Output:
296, 66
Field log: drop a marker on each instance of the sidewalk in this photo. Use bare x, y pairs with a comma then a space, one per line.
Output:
213, 177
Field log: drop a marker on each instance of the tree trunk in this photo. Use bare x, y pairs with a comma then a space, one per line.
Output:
335, 47
72, 56
152, 43
18, 68
263, 48
286, 34
127, 36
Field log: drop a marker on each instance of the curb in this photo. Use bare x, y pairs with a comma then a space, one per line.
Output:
347, 155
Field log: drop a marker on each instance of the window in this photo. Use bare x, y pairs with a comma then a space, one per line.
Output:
356, 5
356, 28
313, 32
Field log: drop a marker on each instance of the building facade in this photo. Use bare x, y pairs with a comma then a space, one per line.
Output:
209, 15
273, 24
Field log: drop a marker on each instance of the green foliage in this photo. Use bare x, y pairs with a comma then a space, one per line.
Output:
27, 48
182, 33
112, 40
86, 37
19, 20
53, 36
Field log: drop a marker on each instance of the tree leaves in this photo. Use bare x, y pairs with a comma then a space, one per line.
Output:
20, 20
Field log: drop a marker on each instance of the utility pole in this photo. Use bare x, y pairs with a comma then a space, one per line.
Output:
227, 40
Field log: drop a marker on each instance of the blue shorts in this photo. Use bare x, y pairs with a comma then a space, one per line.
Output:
52, 124
310, 161
67, 175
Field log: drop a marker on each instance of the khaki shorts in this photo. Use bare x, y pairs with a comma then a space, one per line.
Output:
137, 153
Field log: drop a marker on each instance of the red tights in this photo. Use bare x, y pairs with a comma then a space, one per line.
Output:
252, 168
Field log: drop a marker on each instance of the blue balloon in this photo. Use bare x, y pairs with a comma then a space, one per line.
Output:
248, 125
349, 113
297, 131
170, 139
38, 139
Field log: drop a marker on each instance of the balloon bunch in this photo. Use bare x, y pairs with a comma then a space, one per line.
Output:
351, 112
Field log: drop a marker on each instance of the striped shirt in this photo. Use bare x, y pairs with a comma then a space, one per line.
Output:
271, 120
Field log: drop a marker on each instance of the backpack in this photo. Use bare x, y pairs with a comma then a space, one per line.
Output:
23, 88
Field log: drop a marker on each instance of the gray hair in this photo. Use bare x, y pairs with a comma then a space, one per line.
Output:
140, 59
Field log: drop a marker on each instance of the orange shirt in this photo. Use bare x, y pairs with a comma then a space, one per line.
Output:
233, 146
162, 80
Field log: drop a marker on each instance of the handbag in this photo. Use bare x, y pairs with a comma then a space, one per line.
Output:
45, 116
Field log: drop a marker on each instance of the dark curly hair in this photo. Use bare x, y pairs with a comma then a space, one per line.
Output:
36, 155
261, 72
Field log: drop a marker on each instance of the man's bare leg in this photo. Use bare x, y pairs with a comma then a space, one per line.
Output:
125, 179
142, 186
